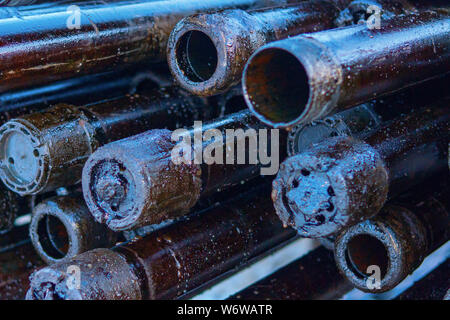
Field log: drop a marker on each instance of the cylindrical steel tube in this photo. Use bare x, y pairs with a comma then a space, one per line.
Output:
346, 123
395, 242
345, 180
312, 277
367, 116
141, 180
172, 261
78, 91
50, 46
47, 150
434, 286
62, 227
207, 52
340, 68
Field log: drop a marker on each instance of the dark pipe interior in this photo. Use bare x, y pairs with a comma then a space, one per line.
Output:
363, 251
196, 56
53, 237
277, 85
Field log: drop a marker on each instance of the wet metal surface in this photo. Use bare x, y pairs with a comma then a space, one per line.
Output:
45, 46
207, 52
174, 260
47, 150
367, 116
343, 180
313, 277
134, 181
62, 227
397, 240
434, 286
343, 67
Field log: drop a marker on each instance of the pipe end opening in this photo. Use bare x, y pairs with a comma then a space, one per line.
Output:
277, 86
365, 251
196, 56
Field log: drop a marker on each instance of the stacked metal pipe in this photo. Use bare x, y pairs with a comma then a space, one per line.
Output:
339, 118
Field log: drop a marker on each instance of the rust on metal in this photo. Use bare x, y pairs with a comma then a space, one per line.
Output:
47, 150
397, 240
344, 180
135, 182
313, 277
173, 260
207, 52
46, 45
62, 227
343, 67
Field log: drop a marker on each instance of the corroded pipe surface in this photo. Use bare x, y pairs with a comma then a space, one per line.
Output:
137, 181
396, 241
312, 277
367, 116
343, 67
346, 123
47, 46
77, 91
47, 150
62, 227
173, 260
344, 180
207, 52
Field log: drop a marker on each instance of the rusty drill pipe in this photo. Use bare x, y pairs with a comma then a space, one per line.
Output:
79, 91
136, 182
44, 47
47, 150
62, 227
433, 286
337, 69
82, 90
345, 180
367, 116
397, 240
346, 123
207, 52
172, 261
312, 277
